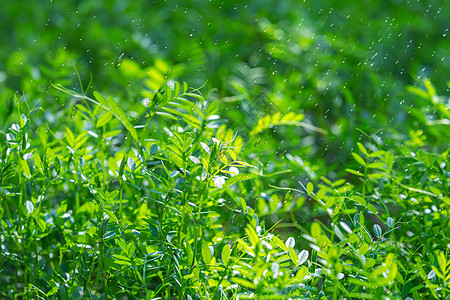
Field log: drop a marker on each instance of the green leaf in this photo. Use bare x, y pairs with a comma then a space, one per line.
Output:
38, 163
99, 97
372, 208
104, 119
309, 188
279, 243
376, 165
243, 282
154, 230
131, 130
419, 92
167, 115
362, 149
293, 256
377, 153
359, 159
122, 165
112, 216
320, 194
57, 165
153, 149
431, 275
354, 172
252, 235
303, 256
114, 108
301, 274
30, 206
226, 251
206, 253
62, 292
315, 230
377, 230
205, 147
26, 169
356, 220
121, 257
360, 200
389, 222
363, 249
290, 242
122, 260
131, 164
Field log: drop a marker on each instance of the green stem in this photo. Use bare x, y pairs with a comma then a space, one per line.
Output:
77, 187
365, 181
103, 272
121, 202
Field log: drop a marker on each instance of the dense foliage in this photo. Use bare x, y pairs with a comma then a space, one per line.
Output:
225, 150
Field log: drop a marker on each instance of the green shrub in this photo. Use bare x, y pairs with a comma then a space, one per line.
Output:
312, 163
99, 207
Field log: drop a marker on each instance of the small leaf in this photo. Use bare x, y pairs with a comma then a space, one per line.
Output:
122, 165
131, 164
431, 275
301, 273
359, 159
363, 249
207, 253
194, 159
275, 268
167, 115
389, 222
377, 230
26, 169
104, 119
153, 149
356, 219
303, 256
153, 230
372, 208
290, 242
57, 165
38, 163
112, 216
122, 260
293, 256
279, 243
219, 181
360, 200
28, 156
232, 154
23, 120
100, 99
315, 230
309, 188
354, 172
205, 147
62, 292
320, 194
30, 206
439, 274
243, 282
362, 148
226, 251
377, 165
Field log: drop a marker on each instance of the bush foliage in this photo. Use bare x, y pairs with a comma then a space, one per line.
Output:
225, 150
